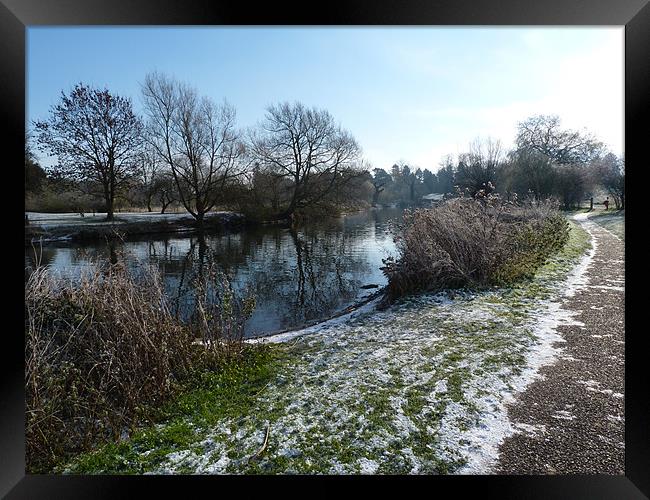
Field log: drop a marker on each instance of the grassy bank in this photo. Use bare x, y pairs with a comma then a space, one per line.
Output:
208, 398
416, 388
613, 221
74, 227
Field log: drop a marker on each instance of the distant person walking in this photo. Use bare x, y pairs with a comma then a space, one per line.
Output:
606, 203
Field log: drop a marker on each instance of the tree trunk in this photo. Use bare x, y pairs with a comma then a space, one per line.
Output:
109, 204
287, 214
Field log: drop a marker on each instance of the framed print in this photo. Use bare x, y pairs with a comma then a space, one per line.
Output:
361, 243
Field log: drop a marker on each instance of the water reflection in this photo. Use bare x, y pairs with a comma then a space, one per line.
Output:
296, 275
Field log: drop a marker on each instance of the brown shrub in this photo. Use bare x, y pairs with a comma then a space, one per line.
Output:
104, 351
467, 242
97, 352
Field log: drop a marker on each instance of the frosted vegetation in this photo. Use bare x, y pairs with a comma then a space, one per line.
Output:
612, 221
419, 387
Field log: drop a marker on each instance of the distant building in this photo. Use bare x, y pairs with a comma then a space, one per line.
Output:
432, 198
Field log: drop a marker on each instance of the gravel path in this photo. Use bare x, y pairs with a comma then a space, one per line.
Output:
572, 419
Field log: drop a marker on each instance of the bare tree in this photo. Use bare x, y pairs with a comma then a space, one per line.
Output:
571, 184
542, 133
35, 175
196, 138
267, 190
96, 136
610, 171
308, 149
150, 167
528, 171
165, 188
477, 169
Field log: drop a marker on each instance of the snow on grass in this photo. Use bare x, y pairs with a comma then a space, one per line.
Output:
419, 388
55, 219
368, 466
613, 222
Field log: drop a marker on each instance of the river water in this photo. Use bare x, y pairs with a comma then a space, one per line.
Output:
296, 276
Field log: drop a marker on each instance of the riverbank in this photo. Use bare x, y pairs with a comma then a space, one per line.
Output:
45, 228
420, 388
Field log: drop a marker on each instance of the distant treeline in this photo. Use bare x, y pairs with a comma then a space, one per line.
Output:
187, 153
546, 162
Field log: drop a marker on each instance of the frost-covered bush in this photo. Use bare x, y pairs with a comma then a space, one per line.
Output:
531, 244
472, 242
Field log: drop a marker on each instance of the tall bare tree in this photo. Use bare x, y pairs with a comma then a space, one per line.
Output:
95, 136
150, 167
305, 147
542, 133
196, 138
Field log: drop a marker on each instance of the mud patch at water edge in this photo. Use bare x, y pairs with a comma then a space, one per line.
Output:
418, 388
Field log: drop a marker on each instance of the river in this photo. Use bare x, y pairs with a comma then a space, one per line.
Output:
296, 276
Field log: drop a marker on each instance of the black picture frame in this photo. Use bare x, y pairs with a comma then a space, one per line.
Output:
17, 15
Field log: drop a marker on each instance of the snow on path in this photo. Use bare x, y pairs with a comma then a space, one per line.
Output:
580, 401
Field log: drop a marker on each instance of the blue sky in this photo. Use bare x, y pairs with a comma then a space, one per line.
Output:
406, 94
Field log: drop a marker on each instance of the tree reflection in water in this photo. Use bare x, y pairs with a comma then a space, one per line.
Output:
297, 275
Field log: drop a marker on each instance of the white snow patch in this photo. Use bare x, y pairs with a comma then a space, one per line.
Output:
563, 415
544, 323
368, 466
441, 386
530, 430
610, 287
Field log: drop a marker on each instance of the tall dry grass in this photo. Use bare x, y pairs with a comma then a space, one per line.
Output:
472, 242
104, 350
219, 314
